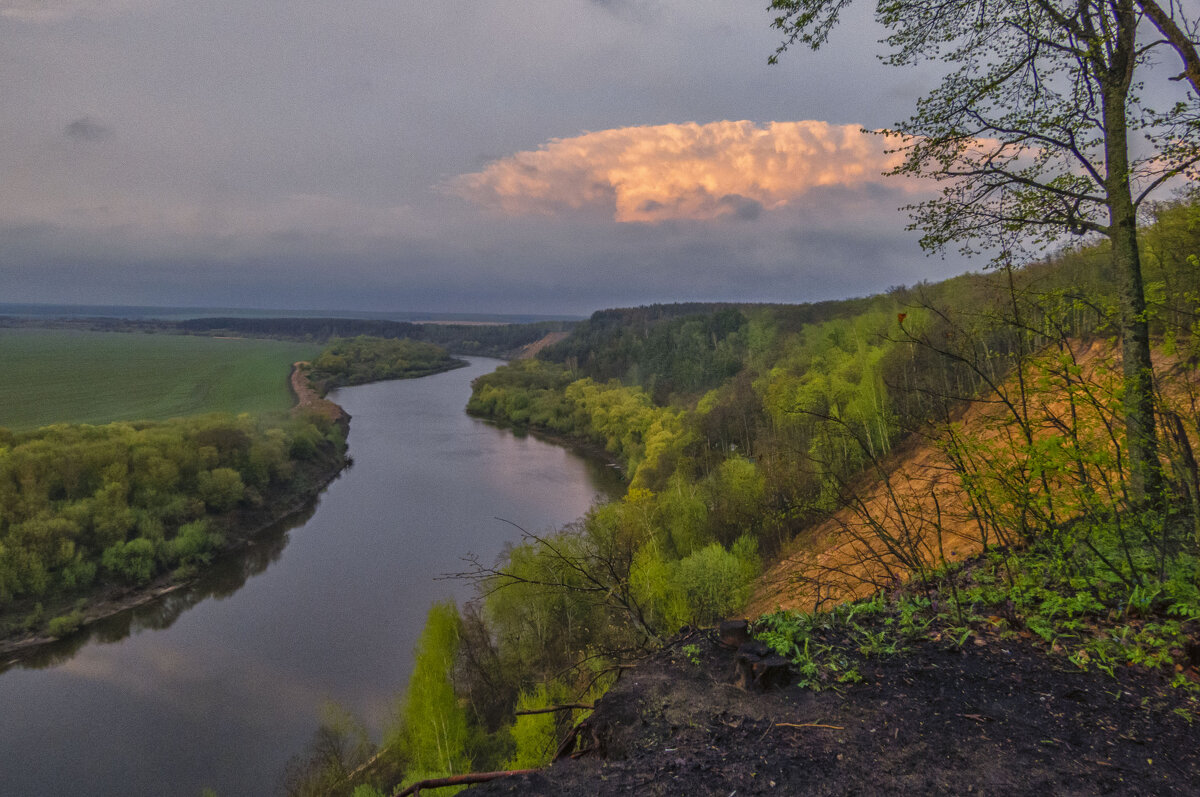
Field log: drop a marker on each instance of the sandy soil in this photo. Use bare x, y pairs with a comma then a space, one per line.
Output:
530, 350
307, 399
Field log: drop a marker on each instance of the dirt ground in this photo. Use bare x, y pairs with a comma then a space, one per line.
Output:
307, 399
530, 350
996, 716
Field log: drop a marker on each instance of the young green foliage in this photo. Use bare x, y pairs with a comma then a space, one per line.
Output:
431, 734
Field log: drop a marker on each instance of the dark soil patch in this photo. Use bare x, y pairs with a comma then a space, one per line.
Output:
997, 716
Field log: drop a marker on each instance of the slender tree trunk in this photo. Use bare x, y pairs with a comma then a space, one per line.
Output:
1141, 439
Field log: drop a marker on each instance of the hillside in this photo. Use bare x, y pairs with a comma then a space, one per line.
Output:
893, 695
918, 493
952, 455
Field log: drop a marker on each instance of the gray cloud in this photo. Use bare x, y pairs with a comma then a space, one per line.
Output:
86, 129
52, 11
744, 208
285, 154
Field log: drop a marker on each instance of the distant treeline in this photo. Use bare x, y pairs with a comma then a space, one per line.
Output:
485, 340
309, 328
684, 348
491, 340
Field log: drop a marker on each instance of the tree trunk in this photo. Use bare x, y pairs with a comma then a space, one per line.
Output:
1141, 440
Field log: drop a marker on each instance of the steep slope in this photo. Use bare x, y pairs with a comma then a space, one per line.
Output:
912, 510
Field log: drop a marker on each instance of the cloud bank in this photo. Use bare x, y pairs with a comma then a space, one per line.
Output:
658, 173
46, 11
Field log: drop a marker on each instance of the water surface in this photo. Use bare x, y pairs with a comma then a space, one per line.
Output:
217, 685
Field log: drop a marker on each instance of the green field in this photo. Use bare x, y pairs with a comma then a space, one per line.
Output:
61, 376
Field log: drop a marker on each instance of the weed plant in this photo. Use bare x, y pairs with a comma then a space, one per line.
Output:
1070, 597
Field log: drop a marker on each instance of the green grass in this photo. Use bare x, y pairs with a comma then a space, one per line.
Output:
61, 376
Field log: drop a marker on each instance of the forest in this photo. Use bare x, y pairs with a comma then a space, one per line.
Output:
361, 359
747, 431
84, 506
95, 509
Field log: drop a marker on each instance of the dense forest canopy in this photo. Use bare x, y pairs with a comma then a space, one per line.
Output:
124, 502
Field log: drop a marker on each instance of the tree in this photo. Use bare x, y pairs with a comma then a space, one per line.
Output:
1040, 130
221, 488
431, 737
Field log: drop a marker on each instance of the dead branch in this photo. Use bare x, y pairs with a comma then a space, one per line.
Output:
462, 780
808, 725
550, 709
568, 743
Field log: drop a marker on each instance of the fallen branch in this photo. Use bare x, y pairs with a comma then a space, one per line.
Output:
462, 780
568, 743
549, 709
976, 717
364, 766
808, 725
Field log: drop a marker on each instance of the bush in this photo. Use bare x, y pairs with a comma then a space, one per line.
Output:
717, 582
131, 561
536, 735
66, 624
192, 545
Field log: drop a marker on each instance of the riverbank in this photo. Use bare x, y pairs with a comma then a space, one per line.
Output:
28, 625
309, 400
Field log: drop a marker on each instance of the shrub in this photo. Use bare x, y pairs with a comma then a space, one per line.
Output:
65, 624
131, 561
716, 581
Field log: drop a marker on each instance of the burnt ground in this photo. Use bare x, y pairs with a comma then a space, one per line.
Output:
996, 716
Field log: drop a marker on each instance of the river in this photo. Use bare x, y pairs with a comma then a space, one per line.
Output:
217, 685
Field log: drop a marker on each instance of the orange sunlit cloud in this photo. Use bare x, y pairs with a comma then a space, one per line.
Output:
683, 171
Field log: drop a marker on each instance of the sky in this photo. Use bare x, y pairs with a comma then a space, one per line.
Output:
504, 156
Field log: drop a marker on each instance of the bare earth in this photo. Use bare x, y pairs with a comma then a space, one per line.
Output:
530, 350
307, 399
993, 717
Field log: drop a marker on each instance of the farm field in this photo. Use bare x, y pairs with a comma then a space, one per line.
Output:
66, 376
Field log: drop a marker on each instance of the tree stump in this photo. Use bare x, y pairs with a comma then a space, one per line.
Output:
759, 669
